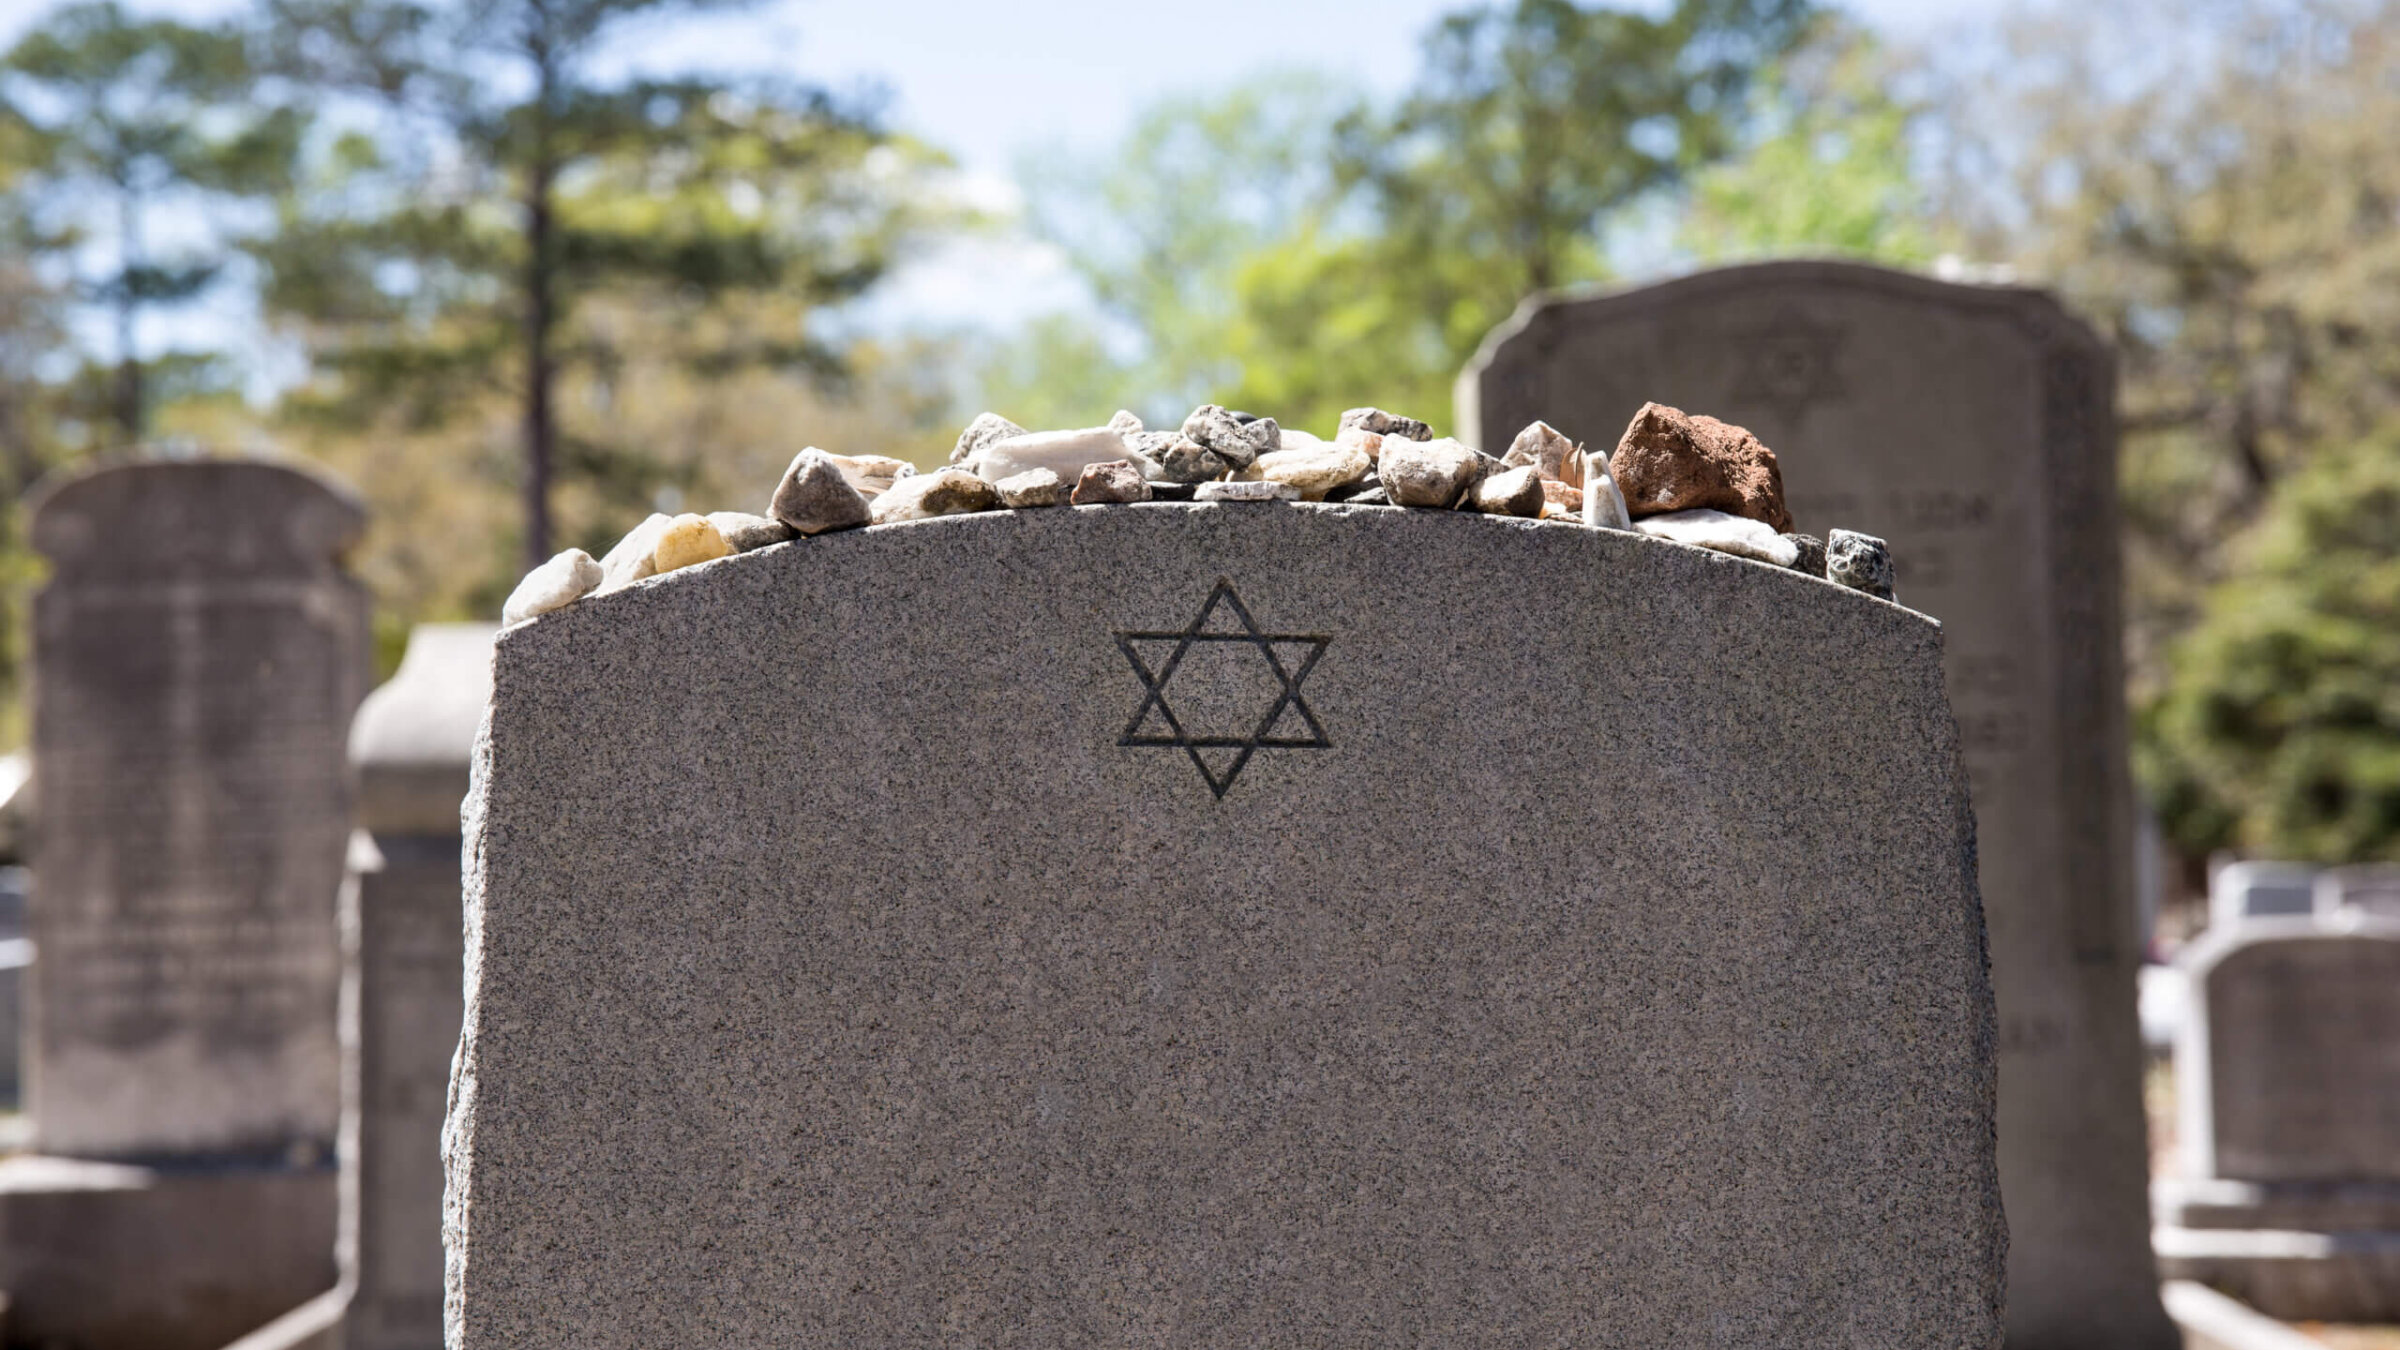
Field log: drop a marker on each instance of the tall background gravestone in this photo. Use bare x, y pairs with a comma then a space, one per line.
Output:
1311, 936
402, 953
197, 654
1974, 428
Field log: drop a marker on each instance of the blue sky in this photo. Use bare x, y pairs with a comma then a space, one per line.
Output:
993, 80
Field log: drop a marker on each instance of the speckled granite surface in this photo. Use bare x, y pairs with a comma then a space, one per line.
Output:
1586, 953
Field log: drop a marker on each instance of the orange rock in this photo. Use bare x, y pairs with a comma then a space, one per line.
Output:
1671, 461
1558, 494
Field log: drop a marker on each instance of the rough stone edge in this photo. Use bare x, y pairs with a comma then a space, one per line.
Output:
2213, 1321
458, 1114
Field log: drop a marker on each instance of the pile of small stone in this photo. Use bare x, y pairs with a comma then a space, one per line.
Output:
1691, 479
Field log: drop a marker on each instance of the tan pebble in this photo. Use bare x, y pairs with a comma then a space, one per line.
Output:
1359, 438
688, 539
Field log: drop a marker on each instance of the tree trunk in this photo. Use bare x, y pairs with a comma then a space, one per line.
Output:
540, 431
131, 415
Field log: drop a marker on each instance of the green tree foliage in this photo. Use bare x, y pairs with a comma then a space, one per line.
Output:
1827, 167
122, 120
1161, 229
1534, 127
2279, 730
2216, 190
459, 254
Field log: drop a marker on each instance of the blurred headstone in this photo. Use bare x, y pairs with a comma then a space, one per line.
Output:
198, 652
2260, 890
16, 954
402, 956
2288, 1085
2369, 889
1974, 428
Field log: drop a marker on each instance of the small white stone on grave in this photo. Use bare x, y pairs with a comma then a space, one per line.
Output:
1738, 535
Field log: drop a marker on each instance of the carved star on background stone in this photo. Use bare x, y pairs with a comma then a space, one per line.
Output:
1240, 692
1788, 365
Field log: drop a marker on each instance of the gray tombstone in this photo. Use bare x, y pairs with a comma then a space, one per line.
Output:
197, 654
16, 953
1974, 428
2371, 890
2287, 1077
402, 952
1227, 925
2261, 890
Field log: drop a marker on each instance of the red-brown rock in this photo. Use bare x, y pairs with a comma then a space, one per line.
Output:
1672, 461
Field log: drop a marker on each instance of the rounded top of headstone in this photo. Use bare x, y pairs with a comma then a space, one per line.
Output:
1545, 315
414, 735
165, 519
2257, 938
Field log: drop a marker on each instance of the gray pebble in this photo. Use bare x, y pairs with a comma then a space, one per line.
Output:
1115, 481
1383, 423
1233, 440
1034, 487
1861, 562
1255, 490
1180, 459
1510, 492
985, 429
816, 496
746, 532
1428, 473
1812, 554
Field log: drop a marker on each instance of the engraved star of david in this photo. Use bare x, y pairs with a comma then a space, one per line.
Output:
1284, 722
1787, 364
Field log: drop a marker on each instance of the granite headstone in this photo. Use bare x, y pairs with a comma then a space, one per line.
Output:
402, 954
2261, 890
2287, 1077
1223, 924
197, 654
1973, 427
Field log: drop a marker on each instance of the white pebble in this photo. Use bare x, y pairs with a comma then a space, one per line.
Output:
1738, 535
555, 584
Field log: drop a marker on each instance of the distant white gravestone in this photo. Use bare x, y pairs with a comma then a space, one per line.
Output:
1974, 428
2287, 1076
1229, 925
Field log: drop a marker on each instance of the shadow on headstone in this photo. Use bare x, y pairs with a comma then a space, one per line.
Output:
197, 655
1974, 428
